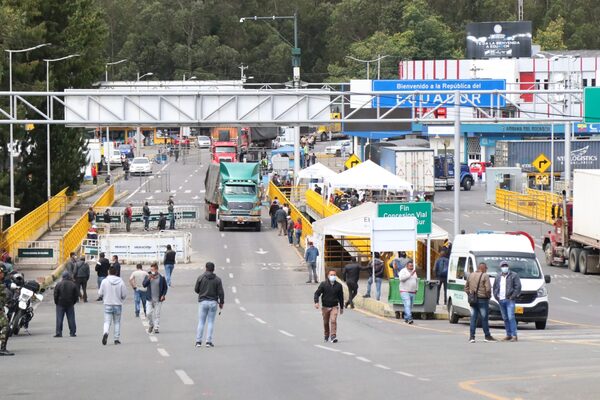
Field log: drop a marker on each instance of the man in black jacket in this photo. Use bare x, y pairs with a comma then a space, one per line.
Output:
210, 295
82, 275
332, 300
350, 274
66, 295
169, 263
102, 267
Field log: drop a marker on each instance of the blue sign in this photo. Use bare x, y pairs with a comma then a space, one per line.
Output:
442, 92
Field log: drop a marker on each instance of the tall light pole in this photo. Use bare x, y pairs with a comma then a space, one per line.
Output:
107, 156
368, 62
143, 76
49, 111
12, 111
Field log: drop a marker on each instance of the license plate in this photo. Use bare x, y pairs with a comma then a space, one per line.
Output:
518, 310
240, 220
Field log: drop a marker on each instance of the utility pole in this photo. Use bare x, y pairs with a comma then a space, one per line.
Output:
242, 68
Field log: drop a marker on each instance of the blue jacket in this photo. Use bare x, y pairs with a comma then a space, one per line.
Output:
311, 254
162, 287
513, 286
441, 267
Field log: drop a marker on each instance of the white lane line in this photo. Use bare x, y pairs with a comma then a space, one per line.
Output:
260, 320
187, 191
180, 187
326, 348
153, 339
227, 260
539, 247
231, 275
222, 235
363, 359
186, 181
487, 224
250, 314
234, 289
466, 216
237, 301
285, 333
424, 379
347, 353
405, 374
184, 377
157, 191
162, 352
448, 219
243, 309
568, 299
381, 366
224, 246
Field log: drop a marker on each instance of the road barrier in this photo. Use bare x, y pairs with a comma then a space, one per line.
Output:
295, 213
146, 247
534, 204
37, 253
186, 216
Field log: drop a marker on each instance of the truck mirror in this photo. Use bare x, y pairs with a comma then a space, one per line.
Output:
547, 278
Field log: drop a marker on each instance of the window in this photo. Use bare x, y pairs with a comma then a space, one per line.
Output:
240, 190
545, 84
585, 82
593, 81
460, 268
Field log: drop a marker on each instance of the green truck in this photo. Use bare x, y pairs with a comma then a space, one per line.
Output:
233, 195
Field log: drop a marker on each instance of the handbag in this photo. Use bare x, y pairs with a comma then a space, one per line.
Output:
472, 297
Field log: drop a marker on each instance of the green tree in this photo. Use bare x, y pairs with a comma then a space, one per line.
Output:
551, 38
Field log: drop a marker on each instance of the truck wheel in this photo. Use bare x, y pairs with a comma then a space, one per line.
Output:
221, 225
583, 257
548, 254
467, 185
449, 188
540, 325
257, 227
323, 137
452, 316
574, 259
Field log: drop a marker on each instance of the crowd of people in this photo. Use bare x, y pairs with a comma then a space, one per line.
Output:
281, 220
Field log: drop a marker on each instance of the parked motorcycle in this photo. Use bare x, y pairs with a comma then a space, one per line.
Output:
23, 308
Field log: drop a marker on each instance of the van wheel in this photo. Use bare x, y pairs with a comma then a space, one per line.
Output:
574, 259
452, 316
583, 257
540, 325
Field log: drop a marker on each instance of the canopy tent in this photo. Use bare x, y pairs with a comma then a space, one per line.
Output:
316, 171
368, 175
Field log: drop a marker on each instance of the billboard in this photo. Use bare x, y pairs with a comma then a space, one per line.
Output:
498, 39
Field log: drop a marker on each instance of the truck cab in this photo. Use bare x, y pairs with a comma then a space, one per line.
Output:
224, 144
444, 174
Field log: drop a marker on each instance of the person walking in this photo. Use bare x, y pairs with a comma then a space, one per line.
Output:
106, 218
478, 285
82, 276
210, 296
94, 174
116, 265
125, 165
377, 265
156, 290
4, 325
128, 215
146, 216
297, 231
281, 218
71, 264
350, 274
113, 292
310, 257
169, 263
332, 301
102, 267
408, 289
272, 210
290, 230
136, 280
441, 273
171, 210
66, 295
507, 287
91, 214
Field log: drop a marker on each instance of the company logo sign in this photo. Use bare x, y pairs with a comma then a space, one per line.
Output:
580, 157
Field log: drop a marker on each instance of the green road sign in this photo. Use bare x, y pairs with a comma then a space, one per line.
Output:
35, 253
420, 210
591, 101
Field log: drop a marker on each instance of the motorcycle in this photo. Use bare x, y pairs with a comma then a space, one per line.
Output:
23, 308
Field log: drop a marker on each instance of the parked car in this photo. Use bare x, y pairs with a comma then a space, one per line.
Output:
478, 167
140, 166
126, 150
203, 142
341, 146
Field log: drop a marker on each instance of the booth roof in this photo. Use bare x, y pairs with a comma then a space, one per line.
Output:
368, 175
6, 210
316, 171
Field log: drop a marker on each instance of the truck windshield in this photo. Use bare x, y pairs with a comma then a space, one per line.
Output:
240, 189
525, 267
225, 149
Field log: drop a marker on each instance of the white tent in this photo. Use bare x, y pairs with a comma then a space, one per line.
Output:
368, 175
316, 171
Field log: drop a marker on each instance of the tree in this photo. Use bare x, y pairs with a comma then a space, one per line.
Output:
551, 38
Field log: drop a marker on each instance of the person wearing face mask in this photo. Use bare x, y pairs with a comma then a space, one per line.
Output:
507, 287
332, 301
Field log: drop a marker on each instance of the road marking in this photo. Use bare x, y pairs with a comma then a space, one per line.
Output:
487, 224
150, 198
162, 352
250, 314
568, 299
448, 219
227, 260
539, 247
381, 366
260, 320
363, 359
173, 191
157, 191
237, 301
466, 216
230, 274
224, 246
261, 251
222, 235
234, 289
186, 181
184, 377
424, 379
326, 348
393, 321
285, 333
180, 187
347, 353
243, 309
153, 339
405, 374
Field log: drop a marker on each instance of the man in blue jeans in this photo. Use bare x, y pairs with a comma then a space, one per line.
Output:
113, 293
210, 296
479, 283
376, 265
408, 289
507, 287
169, 263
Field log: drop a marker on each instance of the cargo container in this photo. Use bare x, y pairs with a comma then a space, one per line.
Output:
585, 154
414, 164
575, 240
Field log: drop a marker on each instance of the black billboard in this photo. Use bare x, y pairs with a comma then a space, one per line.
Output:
498, 39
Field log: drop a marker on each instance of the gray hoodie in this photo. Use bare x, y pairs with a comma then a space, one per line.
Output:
113, 291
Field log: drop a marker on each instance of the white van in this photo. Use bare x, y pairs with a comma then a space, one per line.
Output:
517, 248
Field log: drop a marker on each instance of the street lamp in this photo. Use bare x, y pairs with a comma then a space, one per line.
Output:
107, 156
49, 111
12, 110
111, 63
368, 62
143, 76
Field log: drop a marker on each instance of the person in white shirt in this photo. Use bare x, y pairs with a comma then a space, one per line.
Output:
136, 280
408, 289
113, 292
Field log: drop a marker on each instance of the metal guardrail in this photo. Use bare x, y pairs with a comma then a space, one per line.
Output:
534, 204
185, 216
295, 213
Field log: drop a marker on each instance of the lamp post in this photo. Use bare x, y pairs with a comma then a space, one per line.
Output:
107, 156
143, 76
50, 112
12, 111
111, 63
368, 62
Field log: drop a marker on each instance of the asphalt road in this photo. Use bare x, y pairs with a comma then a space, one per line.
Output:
269, 337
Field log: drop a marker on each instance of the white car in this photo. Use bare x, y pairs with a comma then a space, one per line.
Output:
343, 146
140, 166
203, 142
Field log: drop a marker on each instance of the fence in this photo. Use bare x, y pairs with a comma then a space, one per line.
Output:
145, 248
295, 213
34, 224
185, 216
534, 204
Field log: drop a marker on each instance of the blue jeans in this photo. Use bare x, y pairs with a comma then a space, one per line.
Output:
172, 221
291, 236
507, 308
207, 311
139, 297
377, 287
273, 222
168, 271
112, 315
99, 280
407, 300
146, 222
60, 317
480, 310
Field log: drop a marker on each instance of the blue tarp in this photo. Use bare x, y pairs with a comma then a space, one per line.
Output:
282, 150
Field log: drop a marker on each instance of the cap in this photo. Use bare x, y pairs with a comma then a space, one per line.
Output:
503, 263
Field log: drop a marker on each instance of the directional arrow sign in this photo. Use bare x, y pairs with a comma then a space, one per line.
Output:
541, 163
261, 251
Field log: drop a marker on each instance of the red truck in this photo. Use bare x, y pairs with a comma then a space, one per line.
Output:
224, 146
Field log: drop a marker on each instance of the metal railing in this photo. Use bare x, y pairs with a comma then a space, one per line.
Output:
534, 204
295, 213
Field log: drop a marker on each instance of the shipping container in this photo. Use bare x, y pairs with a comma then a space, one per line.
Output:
585, 154
413, 164
586, 213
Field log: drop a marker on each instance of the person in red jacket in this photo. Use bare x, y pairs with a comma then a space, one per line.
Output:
94, 174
